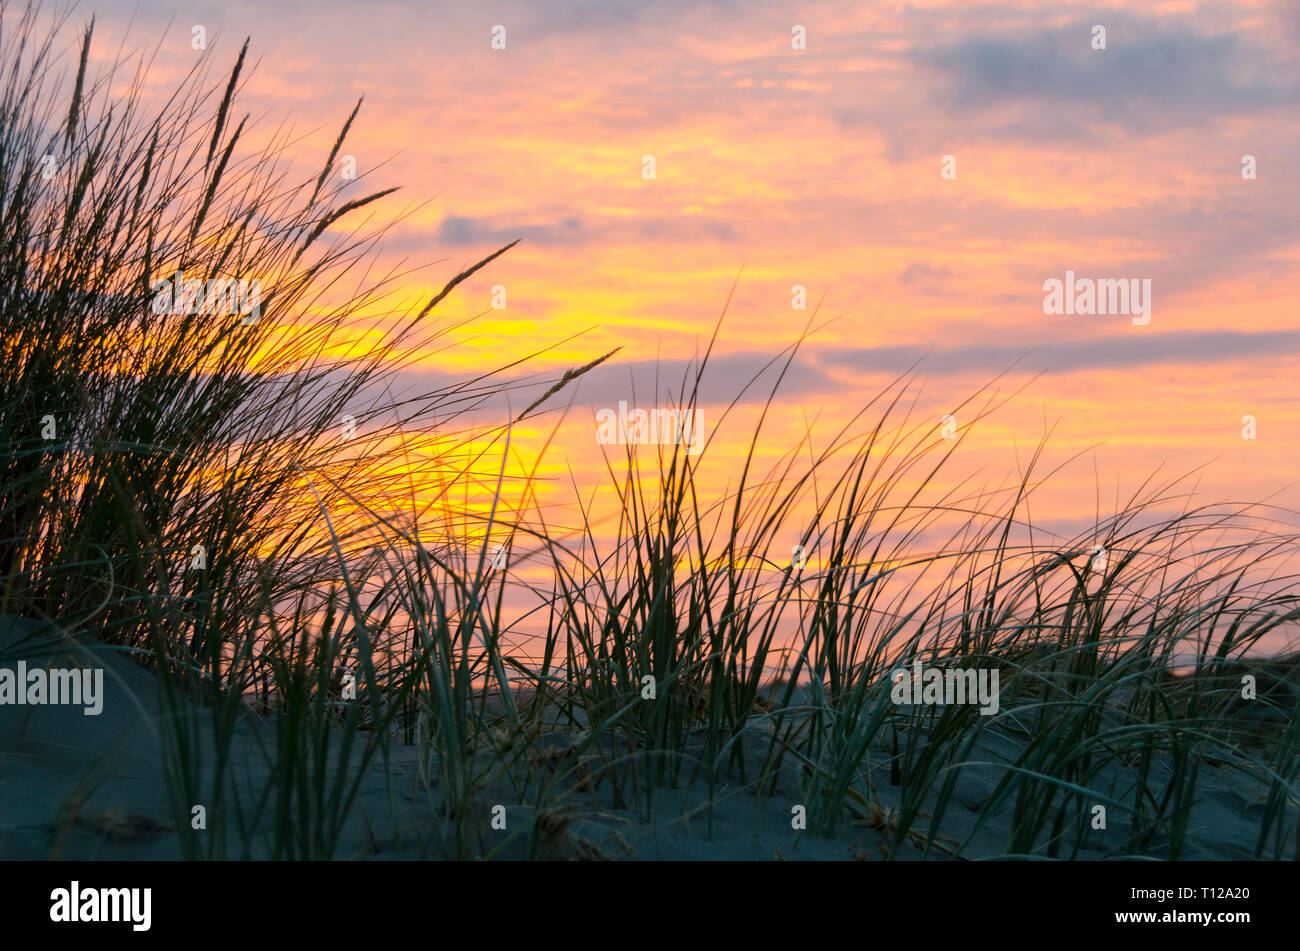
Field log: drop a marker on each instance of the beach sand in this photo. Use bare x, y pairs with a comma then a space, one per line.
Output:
74, 786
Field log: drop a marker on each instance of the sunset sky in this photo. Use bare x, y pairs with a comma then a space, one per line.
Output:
822, 167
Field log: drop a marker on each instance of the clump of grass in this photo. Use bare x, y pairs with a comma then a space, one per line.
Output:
174, 482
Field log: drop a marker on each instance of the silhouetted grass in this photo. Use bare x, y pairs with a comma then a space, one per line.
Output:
195, 502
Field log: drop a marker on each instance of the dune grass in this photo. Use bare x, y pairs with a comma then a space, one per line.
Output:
177, 485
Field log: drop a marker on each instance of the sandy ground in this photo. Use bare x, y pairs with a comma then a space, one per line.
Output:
93, 787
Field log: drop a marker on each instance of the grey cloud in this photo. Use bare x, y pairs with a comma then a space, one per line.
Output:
1149, 77
1129, 349
823, 369
924, 278
458, 230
